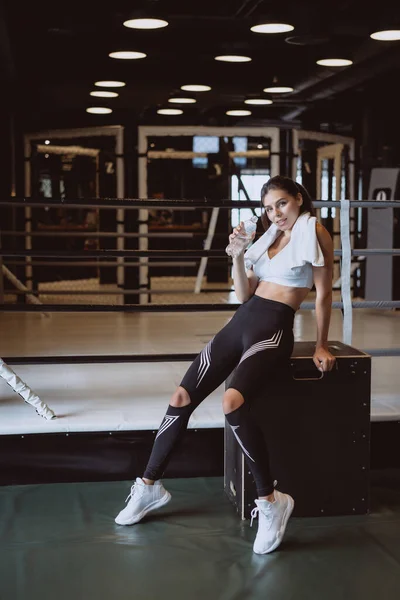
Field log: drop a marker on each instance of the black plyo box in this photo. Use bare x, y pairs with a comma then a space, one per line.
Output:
317, 429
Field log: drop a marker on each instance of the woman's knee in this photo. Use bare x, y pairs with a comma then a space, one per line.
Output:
232, 400
180, 398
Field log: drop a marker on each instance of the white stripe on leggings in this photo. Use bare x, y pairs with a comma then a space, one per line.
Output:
205, 362
234, 427
168, 421
263, 345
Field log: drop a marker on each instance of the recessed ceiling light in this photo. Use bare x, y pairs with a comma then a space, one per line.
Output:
195, 88
387, 35
47, 142
99, 110
182, 100
278, 89
169, 111
238, 113
258, 101
127, 55
145, 23
272, 28
334, 62
233, 58
104, 94
110, 83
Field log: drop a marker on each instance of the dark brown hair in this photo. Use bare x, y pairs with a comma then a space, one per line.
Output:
291, 187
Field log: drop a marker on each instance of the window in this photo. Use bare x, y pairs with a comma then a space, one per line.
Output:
240, 145
204, 143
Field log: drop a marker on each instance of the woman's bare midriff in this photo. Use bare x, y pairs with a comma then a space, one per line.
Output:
293, 296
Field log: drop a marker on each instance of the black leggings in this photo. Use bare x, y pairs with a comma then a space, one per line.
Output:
251, 347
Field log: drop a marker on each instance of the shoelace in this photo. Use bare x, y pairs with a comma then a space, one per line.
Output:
256, 510
254, 514
135, 489
267, 513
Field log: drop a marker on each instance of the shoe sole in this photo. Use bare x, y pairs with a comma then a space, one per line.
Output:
286, 517
152, 506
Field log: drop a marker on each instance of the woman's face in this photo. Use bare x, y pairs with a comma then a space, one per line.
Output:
282, 208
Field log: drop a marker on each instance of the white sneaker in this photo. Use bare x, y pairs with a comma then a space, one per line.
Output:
272, 521
142, 500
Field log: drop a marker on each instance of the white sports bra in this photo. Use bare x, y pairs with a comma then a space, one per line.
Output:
293, 265
278, 270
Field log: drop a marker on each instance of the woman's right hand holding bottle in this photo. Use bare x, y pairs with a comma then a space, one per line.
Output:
239, 240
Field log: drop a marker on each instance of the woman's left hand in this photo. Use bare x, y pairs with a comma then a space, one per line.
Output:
323, 359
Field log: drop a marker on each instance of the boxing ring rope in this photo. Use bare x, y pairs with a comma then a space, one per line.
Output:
138, 358
110, 234
89, 263
345, 271
161, 253
378, 304
175, 204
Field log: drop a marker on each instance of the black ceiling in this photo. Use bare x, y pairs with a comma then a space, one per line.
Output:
52, 53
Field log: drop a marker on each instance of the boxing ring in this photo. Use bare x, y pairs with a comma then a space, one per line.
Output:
108, 370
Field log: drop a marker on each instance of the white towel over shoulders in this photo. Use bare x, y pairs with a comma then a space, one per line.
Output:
303, 246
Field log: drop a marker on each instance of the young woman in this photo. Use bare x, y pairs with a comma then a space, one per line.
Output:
271, 280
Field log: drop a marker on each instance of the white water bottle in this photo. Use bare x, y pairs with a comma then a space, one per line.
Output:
240, 242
